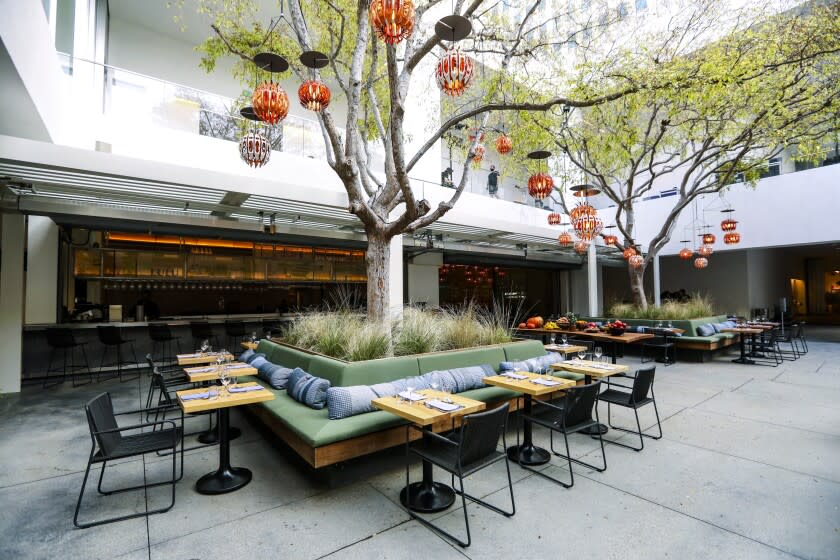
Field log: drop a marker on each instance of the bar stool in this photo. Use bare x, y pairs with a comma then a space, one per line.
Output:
235, 331
202, 330
112, 338
270, 327
62, 339
161, 334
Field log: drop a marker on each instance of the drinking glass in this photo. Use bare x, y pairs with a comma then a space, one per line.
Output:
659, 325
552, 338
409, 388
670, 326
205, 345
434, 382
225, 379
581, 354
598, 353
254, 336
564, 338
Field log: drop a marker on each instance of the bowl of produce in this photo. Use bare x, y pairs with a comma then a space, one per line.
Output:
616, 328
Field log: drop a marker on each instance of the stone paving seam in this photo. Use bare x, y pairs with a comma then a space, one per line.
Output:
750, 380
774, 423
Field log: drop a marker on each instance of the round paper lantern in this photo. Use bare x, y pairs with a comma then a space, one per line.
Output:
701, 262
732, 238
588, 227
584, 209
705, 250
610, 240
728, 225
454, 72
270, 102
314, 95
581, 247
565, 239
708, 238
629, 252
686, 253
254, 148
554, 219
393, 20
540, 185
478, 154
636, 261
504, 144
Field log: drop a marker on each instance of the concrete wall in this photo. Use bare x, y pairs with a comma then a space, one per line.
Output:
12, 239
725, 280
423, 283
41, 270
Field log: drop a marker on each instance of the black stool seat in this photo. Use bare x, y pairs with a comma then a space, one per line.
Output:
62, 339
622, 398
161, 335
111, 337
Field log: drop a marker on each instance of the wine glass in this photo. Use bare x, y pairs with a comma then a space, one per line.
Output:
205, 346
581, 354
409, 388
225, 379
254, 337
434, 382
598, 353
670, 325
565, 339
552, 338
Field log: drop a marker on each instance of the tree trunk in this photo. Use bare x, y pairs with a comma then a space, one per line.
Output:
377, 258
637, 285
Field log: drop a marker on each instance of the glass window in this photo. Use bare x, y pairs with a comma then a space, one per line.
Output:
65, 20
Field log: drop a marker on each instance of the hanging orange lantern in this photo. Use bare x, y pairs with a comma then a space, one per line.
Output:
588, 227
708, 238
504, 144
701, 262
636, 261
728, 225
686, 253
584, 209
554, 219
705, 250
565, 239
478, 154
454, 72
732, 238
314, 95
270, 102
393, 20
540, 185
610, 240
581, 247
254, 148
629, 252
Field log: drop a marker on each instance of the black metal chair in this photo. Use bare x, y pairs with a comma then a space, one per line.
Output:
62, 340
660, 341
202, 330
162, 337
588, 344
473, 448
108, 444
172, 380
111, 337
789, 338
636, 398
763, 350
235, 332
800, 336
571, 415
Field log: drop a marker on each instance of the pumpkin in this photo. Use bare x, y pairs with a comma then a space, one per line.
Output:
538, 322
529, 324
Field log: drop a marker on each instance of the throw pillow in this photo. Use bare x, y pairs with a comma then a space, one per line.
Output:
276, 376
308, 389
458, 380
258, 361
705, 330
343, 402
539, 363
247, 355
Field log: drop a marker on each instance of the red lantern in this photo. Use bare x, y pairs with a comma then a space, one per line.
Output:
636, 261
393, 20
504, 144
478, 154
686, 253
584, 209
629, 252
270, 102
610, 240
588, 227
732, 238
705, 250
554, 219
708, 238
728, 225
540, 185
454, 72
314, 95
581, 247
565, 239
254, 148
701, 262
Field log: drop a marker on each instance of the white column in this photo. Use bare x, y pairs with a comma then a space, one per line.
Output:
423, 283
41, 270
592, 280
656, 288
11, 301
395, 277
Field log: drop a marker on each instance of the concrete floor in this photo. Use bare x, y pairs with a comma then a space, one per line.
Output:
749, 468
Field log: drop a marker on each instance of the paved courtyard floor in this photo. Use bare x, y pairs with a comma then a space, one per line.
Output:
749, 467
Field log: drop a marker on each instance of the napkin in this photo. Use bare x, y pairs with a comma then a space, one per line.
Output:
413, 396
193, 396
244, 389
546, 382
189, 355
238, 366
514, 375
202, 370
601, 366
442, 406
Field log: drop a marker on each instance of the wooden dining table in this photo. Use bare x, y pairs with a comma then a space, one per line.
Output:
591, 370
197, 358
198, 374
613, 340
427, 496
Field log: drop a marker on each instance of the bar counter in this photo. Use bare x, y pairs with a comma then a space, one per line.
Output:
36, 351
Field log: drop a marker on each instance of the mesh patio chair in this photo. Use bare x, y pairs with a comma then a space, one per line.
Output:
108, 443
572, 414
636, 398
172, 380
472, 448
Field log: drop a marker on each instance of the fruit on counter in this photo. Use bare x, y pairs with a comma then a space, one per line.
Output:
529, 324
522, 326
538, 321
580, 324
551, 325
563, 321
616, 325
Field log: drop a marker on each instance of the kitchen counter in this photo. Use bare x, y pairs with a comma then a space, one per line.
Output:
183, 320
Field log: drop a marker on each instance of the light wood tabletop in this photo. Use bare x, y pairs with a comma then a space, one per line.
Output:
567, 349
249, 345
590, 368
199, 358
418, 413
208, 373
528, 386
744, 330
223, 400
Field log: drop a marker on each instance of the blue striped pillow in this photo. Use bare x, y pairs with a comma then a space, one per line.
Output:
308, 389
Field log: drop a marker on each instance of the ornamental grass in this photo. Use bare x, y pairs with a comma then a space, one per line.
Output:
697, 306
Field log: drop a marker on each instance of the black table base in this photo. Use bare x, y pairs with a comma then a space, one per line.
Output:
226, 478
528, 454
212, 436
427, 496
742, 359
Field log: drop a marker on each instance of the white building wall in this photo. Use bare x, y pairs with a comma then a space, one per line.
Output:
41, 270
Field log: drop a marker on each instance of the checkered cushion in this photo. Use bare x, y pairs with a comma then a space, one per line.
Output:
247, 355
308, 389
349, 401
276, 376
539, 363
